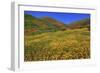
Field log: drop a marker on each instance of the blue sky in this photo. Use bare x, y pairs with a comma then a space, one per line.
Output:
66, 18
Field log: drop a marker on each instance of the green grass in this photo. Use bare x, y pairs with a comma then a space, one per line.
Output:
59, 45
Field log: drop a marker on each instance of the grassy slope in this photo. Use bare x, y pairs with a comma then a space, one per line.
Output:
59, 45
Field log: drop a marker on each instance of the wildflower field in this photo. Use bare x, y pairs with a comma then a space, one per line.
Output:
59, 45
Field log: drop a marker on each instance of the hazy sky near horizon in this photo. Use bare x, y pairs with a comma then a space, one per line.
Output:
65, 18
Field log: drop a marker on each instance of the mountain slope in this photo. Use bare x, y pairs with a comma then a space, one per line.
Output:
53, 21
41, 24
84, 23
34, 25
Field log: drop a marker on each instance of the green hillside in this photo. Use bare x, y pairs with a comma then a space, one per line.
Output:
35, 25
85, 23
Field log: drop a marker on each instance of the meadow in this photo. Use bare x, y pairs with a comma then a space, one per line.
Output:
58, 45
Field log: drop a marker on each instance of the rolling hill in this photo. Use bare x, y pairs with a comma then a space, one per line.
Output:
84, 23
35, 25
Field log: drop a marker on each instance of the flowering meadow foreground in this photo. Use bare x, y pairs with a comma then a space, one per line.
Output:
58, 45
